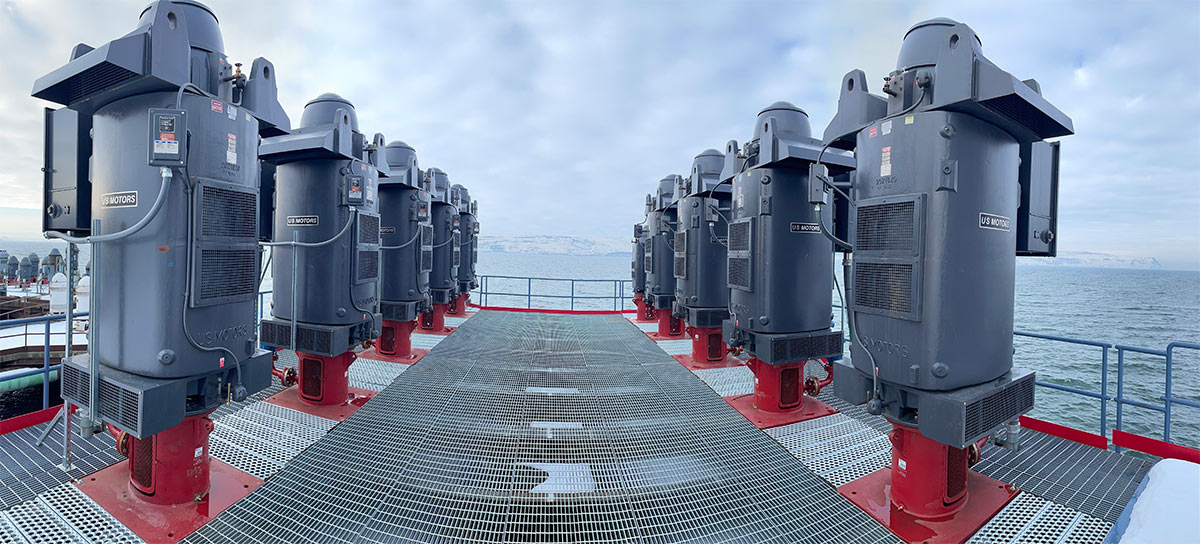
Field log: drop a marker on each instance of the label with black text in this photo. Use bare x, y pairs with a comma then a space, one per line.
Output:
303, 220
807, 228
123, 199
994, 222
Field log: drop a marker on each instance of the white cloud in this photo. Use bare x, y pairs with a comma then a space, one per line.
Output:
561, 116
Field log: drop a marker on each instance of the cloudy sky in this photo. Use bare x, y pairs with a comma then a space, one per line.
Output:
561, 116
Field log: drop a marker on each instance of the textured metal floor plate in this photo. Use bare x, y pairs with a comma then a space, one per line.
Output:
263, 437
546, 428
676, 347
1034, 520
836, 447
426, 341
27, 470
85, 517
729, 381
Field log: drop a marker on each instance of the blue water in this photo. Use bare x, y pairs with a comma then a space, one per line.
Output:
1143, 308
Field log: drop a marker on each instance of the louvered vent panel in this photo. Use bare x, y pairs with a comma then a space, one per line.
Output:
884, 286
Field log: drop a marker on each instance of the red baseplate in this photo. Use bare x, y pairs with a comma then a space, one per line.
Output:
809, 408
691, 364
656, 337
156, 523
985, 498
411, 359
290, 398
445, 331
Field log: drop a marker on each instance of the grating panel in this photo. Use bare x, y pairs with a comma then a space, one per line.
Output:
227, 274
368, 264
885, 227
884, 286
228, 213
39, 523
674, 347
1032, 519
739, 236
9, 534
368, 229
546, 428
739, 272
729, 381
86, 517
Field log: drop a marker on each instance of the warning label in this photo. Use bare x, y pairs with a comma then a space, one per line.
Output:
887, 127
873, 131
231, 151
885, 161
166, 146
232, 112
217, 106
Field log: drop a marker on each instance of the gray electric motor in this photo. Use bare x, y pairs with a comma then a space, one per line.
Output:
660, 253
443, 279
174, 302
25, 272
406, 234
468, 242
944, 164
701, 288
638, 266
327, 177
780, 264
13, 269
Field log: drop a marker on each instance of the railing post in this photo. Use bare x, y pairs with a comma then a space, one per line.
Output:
1120, 388
529, 293
572, 295
46, 368
1167, 400
1104, 391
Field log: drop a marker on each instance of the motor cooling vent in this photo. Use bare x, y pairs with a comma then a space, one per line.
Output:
456, 251
987, 413
228, 213
806, 348
681, 242
368, 265
368, 229
680, 266
118, 404
227, 275
884, 286
886, 227
739, 272
426, 260
739, 236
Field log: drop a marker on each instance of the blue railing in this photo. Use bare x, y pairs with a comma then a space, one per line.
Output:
581, 294
596, 291
46, 367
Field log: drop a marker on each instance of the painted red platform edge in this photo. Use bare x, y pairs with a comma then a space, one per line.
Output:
1074, 435
463, 315
414, 356
444, 332
635, 319
26, 421
691, 364
985, 498
549, 311
656, 337
809, 408
157, 523
290, 398
1155, 447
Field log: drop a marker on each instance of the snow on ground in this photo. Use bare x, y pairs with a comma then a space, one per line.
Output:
34, 334
1168, 509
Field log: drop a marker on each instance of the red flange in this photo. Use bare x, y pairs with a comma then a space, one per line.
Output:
172, 467
645, 312
458, 306
324, 380
929, 494
669, 326
708, 350
434, 321
778, 397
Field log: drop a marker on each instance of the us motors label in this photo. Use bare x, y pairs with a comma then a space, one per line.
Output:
994, 222
387, 230
303, 220
123, 199
806, 228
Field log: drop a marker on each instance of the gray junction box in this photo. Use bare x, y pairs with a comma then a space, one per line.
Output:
939, 206
174, 320
701, 286
327, 189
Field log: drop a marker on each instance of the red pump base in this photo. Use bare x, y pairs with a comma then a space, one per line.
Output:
170, 486
394, 344
669, 327
928, 494
708, 350
458, 306
434, 321
778, 397
645, 312
323, 388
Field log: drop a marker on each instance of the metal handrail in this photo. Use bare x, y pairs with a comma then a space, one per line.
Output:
1168, 400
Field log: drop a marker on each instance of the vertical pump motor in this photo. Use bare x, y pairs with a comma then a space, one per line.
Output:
468, 244
170, 204
443, 279
660, 256
326, 264
948, 165
780, 267
407, 238
701, 289
639, 270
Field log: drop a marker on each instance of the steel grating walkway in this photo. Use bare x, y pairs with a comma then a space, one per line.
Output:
544, 428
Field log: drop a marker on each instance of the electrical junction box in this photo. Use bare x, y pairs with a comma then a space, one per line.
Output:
168, 137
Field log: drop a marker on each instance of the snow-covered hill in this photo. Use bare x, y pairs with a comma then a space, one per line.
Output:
1093, 259
556, 245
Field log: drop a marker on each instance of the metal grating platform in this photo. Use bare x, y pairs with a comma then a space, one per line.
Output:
676, 347
546, 428
1030, 519
261, 438
27, 470
836, 447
